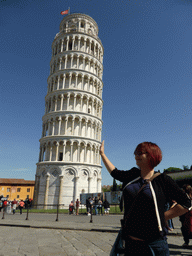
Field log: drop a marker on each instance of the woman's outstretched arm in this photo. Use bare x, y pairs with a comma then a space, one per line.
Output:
176, 211
110, 167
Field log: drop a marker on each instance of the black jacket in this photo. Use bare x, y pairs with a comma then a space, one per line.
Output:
165, 190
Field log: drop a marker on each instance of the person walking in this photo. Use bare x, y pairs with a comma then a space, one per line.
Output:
77, 203
21, 206
5, 205
145, 227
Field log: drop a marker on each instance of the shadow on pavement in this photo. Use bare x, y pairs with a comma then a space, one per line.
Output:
180, 250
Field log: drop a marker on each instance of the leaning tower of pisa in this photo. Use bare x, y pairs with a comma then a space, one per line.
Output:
69, 161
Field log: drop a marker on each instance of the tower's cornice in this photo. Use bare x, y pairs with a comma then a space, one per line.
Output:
71, 113
76, 91
78, 16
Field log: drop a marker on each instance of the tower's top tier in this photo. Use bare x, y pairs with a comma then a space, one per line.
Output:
78, 22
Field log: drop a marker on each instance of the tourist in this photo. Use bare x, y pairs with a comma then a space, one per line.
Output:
21, 206
96, 205
144, 227
91, 204
8, 209
1, 205
14, 205
100, 207
71, 207
88, 206
186, 220
106, 206
77, 206
5, 205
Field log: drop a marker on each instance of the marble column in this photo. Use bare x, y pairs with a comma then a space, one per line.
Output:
50, 153
53, 128
76, 192
46, 190
66, 121
63, 81
61, 106
74, 106
72, 129
59, 128
62, 45
99, 185
36, 190
71, 152
60, 191
89, 184
78, 153
63, 151
58, 81
57, 151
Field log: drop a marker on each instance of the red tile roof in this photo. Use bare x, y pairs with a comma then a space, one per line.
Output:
16, 181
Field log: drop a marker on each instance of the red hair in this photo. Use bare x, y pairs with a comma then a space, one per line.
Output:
154, 152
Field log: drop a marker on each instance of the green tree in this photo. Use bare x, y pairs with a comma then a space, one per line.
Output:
114, 188
172, 169
106, 188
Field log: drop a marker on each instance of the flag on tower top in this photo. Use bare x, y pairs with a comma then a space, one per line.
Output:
65, 12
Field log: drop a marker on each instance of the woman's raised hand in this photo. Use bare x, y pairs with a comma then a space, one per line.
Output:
101, 151
110, 167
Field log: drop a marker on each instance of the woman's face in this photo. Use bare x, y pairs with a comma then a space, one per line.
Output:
142, 158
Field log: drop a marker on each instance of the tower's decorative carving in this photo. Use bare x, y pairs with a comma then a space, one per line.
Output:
72, 124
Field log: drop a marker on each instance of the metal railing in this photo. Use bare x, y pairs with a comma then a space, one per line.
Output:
115, 210
28, 208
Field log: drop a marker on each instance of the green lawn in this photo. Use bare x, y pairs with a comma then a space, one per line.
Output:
113, 210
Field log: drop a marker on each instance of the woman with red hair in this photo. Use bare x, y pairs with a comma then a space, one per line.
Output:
145, 197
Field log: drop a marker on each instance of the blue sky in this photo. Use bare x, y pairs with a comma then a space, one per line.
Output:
147, 78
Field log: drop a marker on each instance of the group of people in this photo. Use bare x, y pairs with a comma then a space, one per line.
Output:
92, 204
74, 207
97, 205
8, 205
145, 196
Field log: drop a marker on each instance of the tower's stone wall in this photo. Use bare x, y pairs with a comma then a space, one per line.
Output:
69, 161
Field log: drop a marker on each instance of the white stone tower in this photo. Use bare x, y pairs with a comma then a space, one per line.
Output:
69, 160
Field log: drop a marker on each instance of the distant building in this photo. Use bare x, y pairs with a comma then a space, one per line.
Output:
181, 177
17, 188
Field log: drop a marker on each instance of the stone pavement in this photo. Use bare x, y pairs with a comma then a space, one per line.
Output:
73, 235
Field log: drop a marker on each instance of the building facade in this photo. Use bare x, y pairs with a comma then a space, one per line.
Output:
69, 160
18, 189
181, 177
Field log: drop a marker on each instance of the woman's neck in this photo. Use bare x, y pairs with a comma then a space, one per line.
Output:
147, 173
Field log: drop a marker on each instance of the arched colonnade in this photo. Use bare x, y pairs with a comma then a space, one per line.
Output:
82, 43
77, 61
75, 80
77, 181
74, 102
69, 125
70, 151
